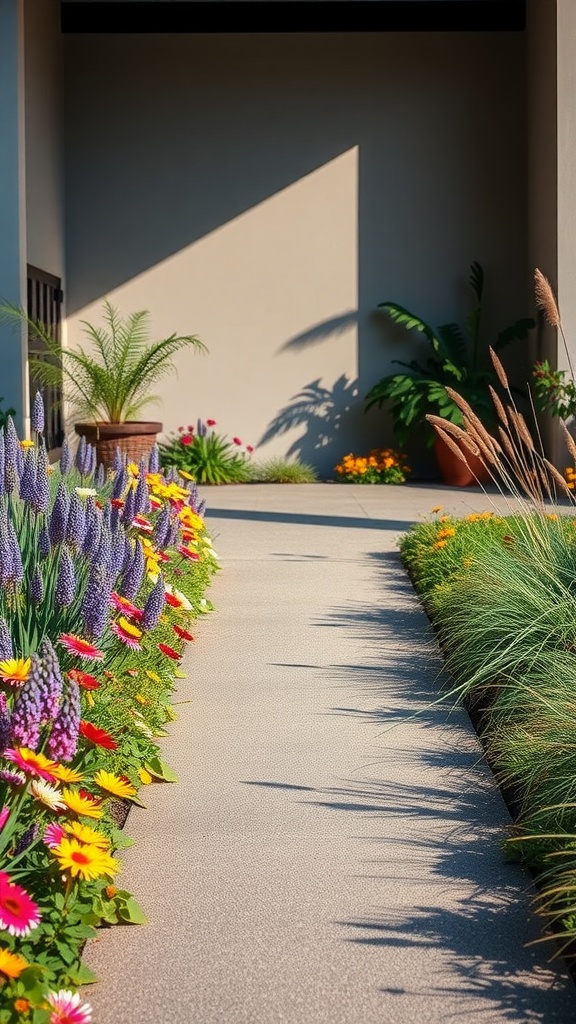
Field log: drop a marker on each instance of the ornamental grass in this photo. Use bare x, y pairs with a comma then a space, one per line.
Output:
501, 592
101, 577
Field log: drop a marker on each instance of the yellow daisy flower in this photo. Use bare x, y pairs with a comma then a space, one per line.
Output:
85, 834
15, 670
86, 806
114, 784
65, 774
11, 964
84, 860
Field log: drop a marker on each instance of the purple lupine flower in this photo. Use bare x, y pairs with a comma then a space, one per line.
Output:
117, 552
102, 556
96, 601
41, 496
14, 454
119, 483
92, 537
76, 523
201, 428
154, 460
37, 417
119, 460
36, 586
132, 578
26, 839
193, 491
2, 463
65, 458
162, 527
129, 510
44, 545
80, 454
27, 712
154, 605
101, 475
6, 557
59, 515
53, 684
141, 496
17, 571
6, 648
63, 740
128, 553
66, 580
28, 478
201, 508
173, 534
115, 518
89, 462
5, 728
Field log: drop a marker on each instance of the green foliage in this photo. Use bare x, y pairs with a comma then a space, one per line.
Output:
282, 471
208, 457
111, 380
554, 393
453, 358
501, 592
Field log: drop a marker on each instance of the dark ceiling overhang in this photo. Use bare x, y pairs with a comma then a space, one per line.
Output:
180, 16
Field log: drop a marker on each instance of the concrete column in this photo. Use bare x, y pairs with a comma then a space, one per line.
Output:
12, 205
566, 187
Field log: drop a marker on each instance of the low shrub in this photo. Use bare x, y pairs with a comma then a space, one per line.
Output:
380, 466
205, 456
282, 471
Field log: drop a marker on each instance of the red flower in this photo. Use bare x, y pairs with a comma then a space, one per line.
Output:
250, 448
236, 440
191, 429
174, 602
99, 737
116, 502
169, 652
186, 439
182, 633
210, 423
189, 554
83, 679
180, 430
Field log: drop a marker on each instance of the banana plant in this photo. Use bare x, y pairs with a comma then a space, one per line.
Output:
454, 357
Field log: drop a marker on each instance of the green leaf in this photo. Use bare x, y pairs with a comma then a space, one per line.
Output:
131, 912
83, 975
160, 770
402, 316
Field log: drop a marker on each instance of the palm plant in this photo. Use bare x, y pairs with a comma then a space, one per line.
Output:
110, 381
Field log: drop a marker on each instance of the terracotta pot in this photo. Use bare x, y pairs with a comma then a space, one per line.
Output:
454, 472
133, 438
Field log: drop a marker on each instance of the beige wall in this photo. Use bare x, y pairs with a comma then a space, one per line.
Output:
44, 141
267, 192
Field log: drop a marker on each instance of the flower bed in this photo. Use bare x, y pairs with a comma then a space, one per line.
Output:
101, 576
500, 592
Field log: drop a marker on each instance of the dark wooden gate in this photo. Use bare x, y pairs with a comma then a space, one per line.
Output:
45, 304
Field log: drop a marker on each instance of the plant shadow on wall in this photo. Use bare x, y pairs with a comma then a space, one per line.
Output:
323, 413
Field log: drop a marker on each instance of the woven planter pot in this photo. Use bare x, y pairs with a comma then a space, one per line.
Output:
134, 439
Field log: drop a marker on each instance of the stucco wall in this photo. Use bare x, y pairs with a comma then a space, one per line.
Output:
267, 192
44, 131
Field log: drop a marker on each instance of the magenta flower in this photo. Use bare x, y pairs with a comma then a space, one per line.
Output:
67, 1008
210, 423
236, 440
18, 913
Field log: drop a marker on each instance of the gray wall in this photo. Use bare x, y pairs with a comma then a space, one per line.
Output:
267, 192
44, 136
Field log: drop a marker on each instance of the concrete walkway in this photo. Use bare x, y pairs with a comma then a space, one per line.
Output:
315, 865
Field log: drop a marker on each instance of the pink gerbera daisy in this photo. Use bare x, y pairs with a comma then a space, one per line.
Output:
67, 1008
18, 913
31, 763
125, 606
4, 815
125, 636
84, 649
53, 833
